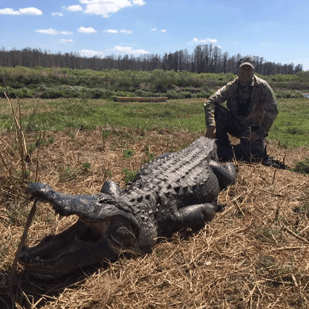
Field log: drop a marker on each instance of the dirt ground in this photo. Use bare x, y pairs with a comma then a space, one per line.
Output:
254, 254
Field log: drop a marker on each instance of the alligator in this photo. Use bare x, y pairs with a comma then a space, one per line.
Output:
174, 191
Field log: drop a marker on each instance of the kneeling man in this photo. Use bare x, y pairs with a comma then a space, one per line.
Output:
251, 111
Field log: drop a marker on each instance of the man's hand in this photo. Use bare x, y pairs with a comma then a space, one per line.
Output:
210, 132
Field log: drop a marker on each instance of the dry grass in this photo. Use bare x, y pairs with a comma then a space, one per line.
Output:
29, 106
252, 255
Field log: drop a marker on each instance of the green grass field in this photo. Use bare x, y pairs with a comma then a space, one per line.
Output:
291, 127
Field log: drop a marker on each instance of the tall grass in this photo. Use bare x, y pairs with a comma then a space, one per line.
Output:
20, 146
12, 194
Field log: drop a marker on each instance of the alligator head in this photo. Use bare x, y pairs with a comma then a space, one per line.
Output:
102, 231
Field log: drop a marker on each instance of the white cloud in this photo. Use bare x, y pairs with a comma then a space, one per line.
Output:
155, 29
74, 8
90, 53
212, 40
47, 31
53, 31
86, 30
25, 11
197, 41
139, 2
116, 31
128, 50
126, 31
107, 7
57, 14
9, 11
66, 32
30, 11
65, 41
111, 31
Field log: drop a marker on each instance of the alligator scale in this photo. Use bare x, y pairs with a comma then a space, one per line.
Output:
173, 191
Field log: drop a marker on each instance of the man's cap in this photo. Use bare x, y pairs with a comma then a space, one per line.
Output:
246, 61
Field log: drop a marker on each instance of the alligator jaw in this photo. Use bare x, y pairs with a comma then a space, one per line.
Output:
99, 235
57, 255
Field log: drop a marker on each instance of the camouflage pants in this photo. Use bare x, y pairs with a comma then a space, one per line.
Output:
226, 123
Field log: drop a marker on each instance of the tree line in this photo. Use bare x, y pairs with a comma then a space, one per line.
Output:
204, 59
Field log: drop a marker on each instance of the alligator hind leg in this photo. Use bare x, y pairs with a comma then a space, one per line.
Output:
195, 216
226, 173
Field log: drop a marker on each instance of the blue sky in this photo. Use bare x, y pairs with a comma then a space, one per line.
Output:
274, 29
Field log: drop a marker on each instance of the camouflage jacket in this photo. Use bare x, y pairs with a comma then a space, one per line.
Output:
255, 104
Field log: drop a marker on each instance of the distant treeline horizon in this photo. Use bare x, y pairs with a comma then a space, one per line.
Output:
204, 59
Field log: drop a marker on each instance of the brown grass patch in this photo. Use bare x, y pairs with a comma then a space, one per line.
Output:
28, 106
252, 255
